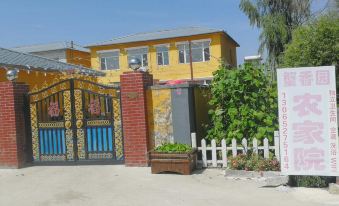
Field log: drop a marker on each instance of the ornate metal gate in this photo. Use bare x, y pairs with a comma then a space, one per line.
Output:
76, 120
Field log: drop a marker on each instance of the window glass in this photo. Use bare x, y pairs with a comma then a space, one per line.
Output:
166, 58
162, 48
207, 53
103, 63
162, 55
112, 63
109, 60
140, 54
187, 53
160, 60
197, 54
144, 60
182, 56
200, 52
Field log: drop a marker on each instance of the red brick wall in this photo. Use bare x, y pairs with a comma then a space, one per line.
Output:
134, 116
12, 124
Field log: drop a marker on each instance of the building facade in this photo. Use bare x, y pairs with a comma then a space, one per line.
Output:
37, 71
66, 52
166, 54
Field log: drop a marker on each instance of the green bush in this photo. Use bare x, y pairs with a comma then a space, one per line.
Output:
174, 148
244, 104
310, 181
314, 44
253, 162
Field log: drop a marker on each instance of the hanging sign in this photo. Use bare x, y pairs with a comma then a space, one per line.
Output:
308, 121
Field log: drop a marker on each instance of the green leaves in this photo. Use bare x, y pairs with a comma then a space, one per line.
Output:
246, 105
315, 44
173, 148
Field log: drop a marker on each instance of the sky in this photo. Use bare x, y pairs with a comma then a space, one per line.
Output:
27, 22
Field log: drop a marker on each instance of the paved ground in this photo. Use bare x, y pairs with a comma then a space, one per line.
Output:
118, 185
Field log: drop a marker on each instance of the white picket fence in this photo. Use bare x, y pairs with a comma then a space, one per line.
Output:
215, 162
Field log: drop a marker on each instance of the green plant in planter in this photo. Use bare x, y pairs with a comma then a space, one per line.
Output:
174, 148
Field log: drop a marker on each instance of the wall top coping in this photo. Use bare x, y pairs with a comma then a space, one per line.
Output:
134, 72
13, 83
186, 85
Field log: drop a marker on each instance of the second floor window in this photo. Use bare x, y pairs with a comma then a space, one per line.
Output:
200, 52
109, 60
162, 55
139, 53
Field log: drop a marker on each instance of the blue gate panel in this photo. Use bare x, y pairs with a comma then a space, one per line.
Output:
89, 140
52, 141
99, 139
55, 144
59, 141
94, 139
46, 142
110, 139
42, 144
104, 137
63, 141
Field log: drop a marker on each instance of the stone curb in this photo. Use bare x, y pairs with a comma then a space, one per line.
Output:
333, 188
264, 178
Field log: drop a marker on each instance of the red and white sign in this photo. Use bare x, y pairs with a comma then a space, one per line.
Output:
308, 121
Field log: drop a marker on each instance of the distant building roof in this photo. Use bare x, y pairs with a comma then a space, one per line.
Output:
253, 58
10, 59
163, 34
50, 47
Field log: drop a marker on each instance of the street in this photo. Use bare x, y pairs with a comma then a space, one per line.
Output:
119, 185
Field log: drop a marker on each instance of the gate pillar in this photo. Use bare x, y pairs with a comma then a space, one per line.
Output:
134, 116
12, 124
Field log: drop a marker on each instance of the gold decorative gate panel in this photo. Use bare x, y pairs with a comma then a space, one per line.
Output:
76, 120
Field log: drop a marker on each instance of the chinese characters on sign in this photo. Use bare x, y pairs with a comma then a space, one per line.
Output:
308, 121
53, 109
94, 107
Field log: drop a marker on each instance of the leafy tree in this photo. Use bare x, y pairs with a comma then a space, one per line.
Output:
276, 19
315, 44
244, 104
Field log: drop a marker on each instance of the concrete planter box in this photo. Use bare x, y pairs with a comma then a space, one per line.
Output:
183, 163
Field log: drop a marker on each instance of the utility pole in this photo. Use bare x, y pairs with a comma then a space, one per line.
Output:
71, 52
191, 64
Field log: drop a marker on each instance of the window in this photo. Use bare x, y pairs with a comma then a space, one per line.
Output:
200, 52
109, 60
162, 55
139, 53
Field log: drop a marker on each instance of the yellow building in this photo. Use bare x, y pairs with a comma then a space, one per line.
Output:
166, 53
66, 52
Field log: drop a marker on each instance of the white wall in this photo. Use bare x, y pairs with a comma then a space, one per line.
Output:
59, 55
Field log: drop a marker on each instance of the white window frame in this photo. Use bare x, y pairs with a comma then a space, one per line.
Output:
105, 52
186, 43
162, 54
